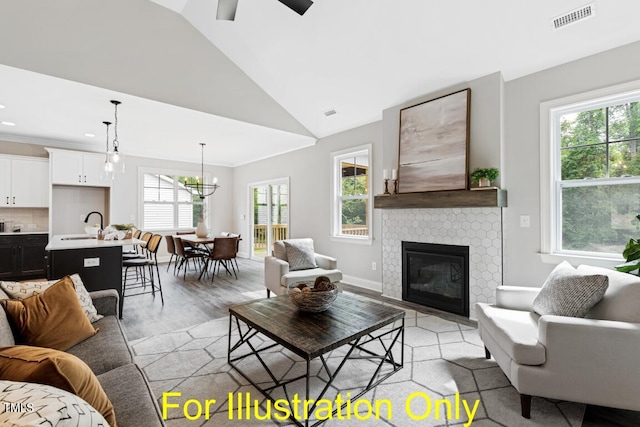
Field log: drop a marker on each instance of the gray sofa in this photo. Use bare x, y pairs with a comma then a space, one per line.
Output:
108, 355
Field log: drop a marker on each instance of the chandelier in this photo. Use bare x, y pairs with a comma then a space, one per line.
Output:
199, 188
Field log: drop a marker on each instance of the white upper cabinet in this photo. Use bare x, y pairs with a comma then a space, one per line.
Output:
77, 168
5, 182
24, 182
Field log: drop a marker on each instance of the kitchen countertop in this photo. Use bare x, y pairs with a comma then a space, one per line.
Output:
13, 233
83, 241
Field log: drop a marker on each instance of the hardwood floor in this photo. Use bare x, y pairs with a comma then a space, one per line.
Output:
191, 301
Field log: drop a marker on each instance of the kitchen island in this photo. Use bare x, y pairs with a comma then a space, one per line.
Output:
98, 262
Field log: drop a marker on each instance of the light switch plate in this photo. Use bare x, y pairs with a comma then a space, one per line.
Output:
525, 221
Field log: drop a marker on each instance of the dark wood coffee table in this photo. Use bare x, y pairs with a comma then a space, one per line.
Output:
350, 322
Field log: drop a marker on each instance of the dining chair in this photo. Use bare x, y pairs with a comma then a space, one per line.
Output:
186, 244
171, 250
239, 237
223, 252
185, 255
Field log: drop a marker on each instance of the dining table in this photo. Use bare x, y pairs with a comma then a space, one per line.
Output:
192, 238
202, 242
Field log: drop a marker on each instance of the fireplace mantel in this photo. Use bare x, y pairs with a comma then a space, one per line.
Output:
492, 198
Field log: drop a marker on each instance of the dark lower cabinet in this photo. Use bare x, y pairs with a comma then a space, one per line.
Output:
99, 268
23, 256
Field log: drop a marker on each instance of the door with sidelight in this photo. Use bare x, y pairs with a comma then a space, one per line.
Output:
270, 215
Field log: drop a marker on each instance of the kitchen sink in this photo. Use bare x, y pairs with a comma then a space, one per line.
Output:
78, 238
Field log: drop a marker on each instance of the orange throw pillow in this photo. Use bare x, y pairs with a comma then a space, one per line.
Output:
58, 369
53, 319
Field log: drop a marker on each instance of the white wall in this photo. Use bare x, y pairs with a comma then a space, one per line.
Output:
523, 96
309, 171
124, 201
485, 137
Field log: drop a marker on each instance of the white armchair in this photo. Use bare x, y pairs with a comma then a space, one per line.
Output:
279, 277
592, 360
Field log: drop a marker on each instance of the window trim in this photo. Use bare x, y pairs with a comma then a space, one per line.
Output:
163, 171
335, 191
550, 167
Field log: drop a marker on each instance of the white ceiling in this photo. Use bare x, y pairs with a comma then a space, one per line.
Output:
56, 112
355, 56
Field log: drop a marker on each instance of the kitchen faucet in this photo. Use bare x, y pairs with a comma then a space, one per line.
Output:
101, 219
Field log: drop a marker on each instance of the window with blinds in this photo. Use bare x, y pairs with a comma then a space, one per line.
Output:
168, 204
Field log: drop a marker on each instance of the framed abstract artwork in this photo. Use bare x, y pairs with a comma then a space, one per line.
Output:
434, 144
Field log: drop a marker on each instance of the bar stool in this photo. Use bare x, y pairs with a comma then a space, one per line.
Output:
147, 272
136, 235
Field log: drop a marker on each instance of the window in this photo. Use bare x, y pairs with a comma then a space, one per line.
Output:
595, 175
352, 189
167, 204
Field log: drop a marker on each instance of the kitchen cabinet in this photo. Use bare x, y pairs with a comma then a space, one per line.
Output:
77, 168
24, 182
23, 256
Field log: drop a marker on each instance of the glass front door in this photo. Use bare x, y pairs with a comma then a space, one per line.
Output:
270, 211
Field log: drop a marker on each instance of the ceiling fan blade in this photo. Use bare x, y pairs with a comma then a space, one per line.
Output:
299, 6
227, 10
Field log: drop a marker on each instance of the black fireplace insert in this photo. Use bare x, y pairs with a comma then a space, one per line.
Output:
436, 276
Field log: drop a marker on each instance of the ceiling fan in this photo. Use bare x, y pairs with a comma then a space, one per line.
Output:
227, 8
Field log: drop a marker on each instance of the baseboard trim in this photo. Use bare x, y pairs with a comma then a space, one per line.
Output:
362, 283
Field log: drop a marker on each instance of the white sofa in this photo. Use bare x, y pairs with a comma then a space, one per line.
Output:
594, 360
278, 277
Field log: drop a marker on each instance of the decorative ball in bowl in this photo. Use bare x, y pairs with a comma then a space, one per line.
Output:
314, 297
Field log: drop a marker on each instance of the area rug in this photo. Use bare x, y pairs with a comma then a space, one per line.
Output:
445, 381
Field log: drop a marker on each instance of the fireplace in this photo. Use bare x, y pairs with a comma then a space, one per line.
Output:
436, 276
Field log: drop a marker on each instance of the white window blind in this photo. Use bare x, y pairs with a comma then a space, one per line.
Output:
168, 204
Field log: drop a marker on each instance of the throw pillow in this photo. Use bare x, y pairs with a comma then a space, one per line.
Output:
566, 292
300, 254
58, 369
51, 319
43, 405
85, 299
22, 290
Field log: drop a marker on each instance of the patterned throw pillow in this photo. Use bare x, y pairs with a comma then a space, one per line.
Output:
300, 254
566, 292
22, 290
31, 404
57, 369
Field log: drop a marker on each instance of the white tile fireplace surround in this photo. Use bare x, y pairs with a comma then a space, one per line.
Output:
478, 228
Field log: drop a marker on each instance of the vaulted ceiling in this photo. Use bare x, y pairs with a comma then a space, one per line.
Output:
259, 85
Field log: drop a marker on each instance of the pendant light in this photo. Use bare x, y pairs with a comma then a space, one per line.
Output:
117, 158
107, 168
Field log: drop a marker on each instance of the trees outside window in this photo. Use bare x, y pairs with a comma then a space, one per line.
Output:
352, 189
597, 175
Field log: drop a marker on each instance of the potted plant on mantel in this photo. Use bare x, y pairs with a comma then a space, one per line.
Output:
484, 176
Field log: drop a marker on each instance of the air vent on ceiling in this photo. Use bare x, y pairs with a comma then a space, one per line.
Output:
573, 16
330, 112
